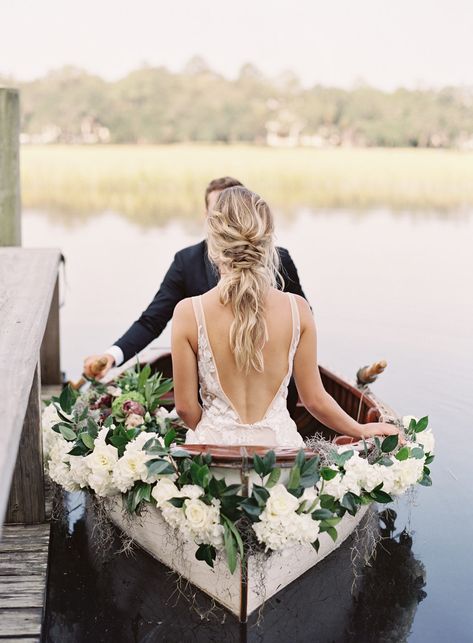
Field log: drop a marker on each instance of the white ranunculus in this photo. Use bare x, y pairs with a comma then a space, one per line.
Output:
192, 491
80, 470
406, 420
101, 482
280, 502
164, 490
427, 440
103, 458
133, 420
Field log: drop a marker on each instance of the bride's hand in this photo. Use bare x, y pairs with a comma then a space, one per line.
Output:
371, 429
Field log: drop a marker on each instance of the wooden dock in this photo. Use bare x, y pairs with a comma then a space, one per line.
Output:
23, 577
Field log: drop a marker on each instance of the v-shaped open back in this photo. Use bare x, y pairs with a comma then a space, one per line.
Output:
220, 413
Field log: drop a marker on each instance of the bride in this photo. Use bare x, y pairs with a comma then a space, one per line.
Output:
240, 342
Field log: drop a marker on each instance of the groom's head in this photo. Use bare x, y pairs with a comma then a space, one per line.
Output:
215, 187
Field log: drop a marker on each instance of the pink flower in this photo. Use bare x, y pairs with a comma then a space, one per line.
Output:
132, 407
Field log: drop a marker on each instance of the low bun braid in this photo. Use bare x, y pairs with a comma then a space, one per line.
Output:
241, 243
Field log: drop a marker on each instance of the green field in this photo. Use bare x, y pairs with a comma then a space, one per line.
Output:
157, 183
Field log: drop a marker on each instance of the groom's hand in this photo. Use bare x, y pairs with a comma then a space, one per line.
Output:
97, 366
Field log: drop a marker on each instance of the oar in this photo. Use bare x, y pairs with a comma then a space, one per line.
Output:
368, 374
96, 368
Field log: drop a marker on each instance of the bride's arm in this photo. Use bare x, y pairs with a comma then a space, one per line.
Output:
184, 364
311, 390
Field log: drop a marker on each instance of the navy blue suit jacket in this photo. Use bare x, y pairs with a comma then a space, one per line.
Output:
190, 274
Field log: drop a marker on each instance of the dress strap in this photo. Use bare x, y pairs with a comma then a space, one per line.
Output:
296, 322
198, 310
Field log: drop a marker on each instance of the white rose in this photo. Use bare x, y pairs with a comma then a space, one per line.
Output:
129, 468
427, 440
280, 501
335, 487
164, 490
140, 440
406, 420
192, 491
197, 513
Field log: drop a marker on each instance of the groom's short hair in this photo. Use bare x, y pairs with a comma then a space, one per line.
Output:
222, 183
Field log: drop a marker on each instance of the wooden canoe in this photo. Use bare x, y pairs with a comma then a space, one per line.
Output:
243, 592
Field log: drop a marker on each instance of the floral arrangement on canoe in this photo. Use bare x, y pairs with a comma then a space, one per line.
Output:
121, 440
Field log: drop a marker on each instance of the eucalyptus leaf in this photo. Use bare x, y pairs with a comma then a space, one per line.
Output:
273, 477
67, 433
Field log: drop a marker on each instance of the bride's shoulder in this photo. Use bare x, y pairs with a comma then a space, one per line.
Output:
183, 311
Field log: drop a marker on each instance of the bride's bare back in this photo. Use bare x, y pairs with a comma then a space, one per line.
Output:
250, 394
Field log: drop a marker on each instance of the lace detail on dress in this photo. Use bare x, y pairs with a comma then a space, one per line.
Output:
220, 422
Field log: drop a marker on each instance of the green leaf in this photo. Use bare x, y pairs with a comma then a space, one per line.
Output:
294, 477
332, 532
170, 437
177, 502
260, 494
67, 433
143, 376
269, 461
159, 467
206, 553
417, 452
321, 514
79, 449
377, 443
230, 548
180, 453
233, 528
429, 459
389, 443
327, 502
426, 481
231, 490
316, 545
380, 496
87, 439
385, 461
273, 477
341, 458
327, 473
300, 459
251, 508
422, 424
92, 428
67, 398
108, 422
402, 454
350, 502
258, 465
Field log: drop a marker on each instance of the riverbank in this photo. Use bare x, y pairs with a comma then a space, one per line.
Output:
158, 183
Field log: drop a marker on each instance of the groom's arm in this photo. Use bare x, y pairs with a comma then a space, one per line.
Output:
154, 319
289, 273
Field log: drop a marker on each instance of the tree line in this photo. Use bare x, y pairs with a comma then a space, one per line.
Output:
155, 105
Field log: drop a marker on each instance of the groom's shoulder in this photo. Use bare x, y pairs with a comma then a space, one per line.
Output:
191, 253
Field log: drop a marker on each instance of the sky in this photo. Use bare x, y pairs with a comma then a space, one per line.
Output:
410, 43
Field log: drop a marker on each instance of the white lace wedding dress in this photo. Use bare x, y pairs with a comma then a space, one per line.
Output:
220, 422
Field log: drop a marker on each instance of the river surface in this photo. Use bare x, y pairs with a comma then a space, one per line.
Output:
386, 285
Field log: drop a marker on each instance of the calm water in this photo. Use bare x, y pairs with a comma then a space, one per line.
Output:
382, 285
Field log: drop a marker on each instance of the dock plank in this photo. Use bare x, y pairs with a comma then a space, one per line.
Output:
23, 574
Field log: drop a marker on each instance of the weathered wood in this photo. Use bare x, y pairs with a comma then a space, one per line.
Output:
27, 281
26, 503
50, 358
10, 227
21, 622
23, 571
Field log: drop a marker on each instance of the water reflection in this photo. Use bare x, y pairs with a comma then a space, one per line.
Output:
92, 597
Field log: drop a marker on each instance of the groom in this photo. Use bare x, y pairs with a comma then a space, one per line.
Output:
190, 274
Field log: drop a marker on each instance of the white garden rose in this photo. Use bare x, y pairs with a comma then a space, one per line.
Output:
402, 474
101, 482
130, 468
140, 440
427, 440
335, 487
280, 502
198, 514
103, 458
164, 490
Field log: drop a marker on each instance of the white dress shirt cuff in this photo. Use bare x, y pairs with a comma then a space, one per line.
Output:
117, 354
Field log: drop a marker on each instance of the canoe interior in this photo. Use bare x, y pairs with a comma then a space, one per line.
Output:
361, 406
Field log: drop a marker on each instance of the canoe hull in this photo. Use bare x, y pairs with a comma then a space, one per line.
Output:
246, 590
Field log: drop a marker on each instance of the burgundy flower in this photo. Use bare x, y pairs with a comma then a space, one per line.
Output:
104, 400
130, 406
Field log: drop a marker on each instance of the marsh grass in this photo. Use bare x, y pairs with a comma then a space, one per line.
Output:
153, 184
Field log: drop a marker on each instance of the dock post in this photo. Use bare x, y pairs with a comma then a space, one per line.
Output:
10, 222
